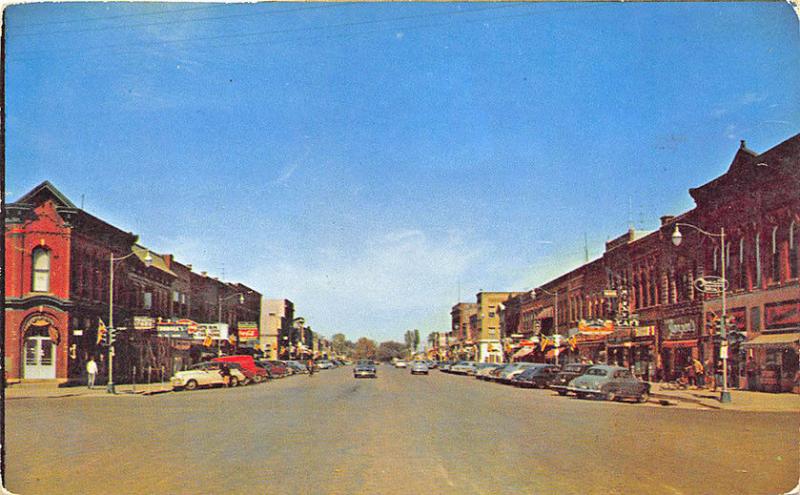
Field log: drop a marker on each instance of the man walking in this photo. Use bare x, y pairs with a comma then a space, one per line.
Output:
91, 371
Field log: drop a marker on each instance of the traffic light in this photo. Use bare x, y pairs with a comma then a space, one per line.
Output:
111, 336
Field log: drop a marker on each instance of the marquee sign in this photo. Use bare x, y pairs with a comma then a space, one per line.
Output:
711, 284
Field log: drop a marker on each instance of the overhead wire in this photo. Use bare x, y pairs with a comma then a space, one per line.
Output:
182, 21
280, 31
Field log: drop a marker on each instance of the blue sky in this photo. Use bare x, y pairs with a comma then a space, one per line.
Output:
370, 161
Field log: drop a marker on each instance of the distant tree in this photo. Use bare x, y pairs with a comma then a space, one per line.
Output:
341, 346
416, 340
365, 349
390, 350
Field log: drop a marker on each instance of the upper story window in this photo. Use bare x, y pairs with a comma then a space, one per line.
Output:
775, 273
794, 232
758, 260
41, 270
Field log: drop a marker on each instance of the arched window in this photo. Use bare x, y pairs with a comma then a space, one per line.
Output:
741, 271
794, 233
41, 270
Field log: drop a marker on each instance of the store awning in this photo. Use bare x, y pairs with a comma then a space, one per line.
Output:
775, 340
522, 352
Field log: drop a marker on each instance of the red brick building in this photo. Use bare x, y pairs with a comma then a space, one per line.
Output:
58, 261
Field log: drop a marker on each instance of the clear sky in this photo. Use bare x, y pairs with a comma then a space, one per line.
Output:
371, 162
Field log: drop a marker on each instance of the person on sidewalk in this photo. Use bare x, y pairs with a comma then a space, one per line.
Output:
91, 372
699, 373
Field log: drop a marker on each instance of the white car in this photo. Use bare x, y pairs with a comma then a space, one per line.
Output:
400, 364
205, 375
419, 367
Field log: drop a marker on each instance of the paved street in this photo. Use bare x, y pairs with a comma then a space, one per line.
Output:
437, 434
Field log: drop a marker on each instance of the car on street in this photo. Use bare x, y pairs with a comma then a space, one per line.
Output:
208, 374
463, 367
484, 369
252, 370
325, 364
365, 369
276, 369
400, 364
419, 368
509, 371
568, 373
610, 383
537, 376
296, 366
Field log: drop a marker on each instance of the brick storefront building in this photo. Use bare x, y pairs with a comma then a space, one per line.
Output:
642, 304
58, 262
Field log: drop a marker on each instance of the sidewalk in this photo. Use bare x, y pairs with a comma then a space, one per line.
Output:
51, 390
741, 400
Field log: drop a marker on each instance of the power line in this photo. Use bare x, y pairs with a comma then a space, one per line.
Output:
179, 21
121, 16
282, 31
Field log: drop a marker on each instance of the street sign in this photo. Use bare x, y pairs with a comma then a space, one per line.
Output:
711, 284
723, 352
609, 293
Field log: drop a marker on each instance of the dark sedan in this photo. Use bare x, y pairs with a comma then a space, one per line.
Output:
567, 374
537, 376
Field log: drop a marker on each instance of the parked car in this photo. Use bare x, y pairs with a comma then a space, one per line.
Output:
463, 367
296, 366
610, 383
325, 364
568, 373
511, 370
276, 369
252, 371
365, 368
537, 376
432, 364
206, 374
419, 368
484, 369
400, 364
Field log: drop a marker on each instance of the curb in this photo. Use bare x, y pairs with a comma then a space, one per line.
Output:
685, 399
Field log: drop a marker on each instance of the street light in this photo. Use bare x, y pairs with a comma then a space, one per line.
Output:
555, 316
220, 299
148, 260
725, 395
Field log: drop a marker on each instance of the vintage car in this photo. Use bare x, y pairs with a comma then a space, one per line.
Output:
537, 376
206, 375
365, 369
419, 368
568, 373
609, 383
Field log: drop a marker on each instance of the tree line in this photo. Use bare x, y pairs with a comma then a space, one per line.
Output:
365, 348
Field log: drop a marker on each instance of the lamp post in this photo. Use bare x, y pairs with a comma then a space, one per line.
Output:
555, 316
148, 260
220, 300
725, 395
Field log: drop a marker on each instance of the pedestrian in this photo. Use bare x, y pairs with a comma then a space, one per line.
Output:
690, 375
226, 375
699, 373
91, 372
310, 367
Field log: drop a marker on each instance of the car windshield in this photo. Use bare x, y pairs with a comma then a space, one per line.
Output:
573, 369
597, 372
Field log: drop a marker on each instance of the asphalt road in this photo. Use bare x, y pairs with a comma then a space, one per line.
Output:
436, 434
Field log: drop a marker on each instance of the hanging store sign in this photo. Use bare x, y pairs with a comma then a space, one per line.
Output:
782, 315
680, 328
248, 330
143, 323
711, 284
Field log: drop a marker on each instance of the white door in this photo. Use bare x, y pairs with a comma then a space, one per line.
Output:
40, 360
